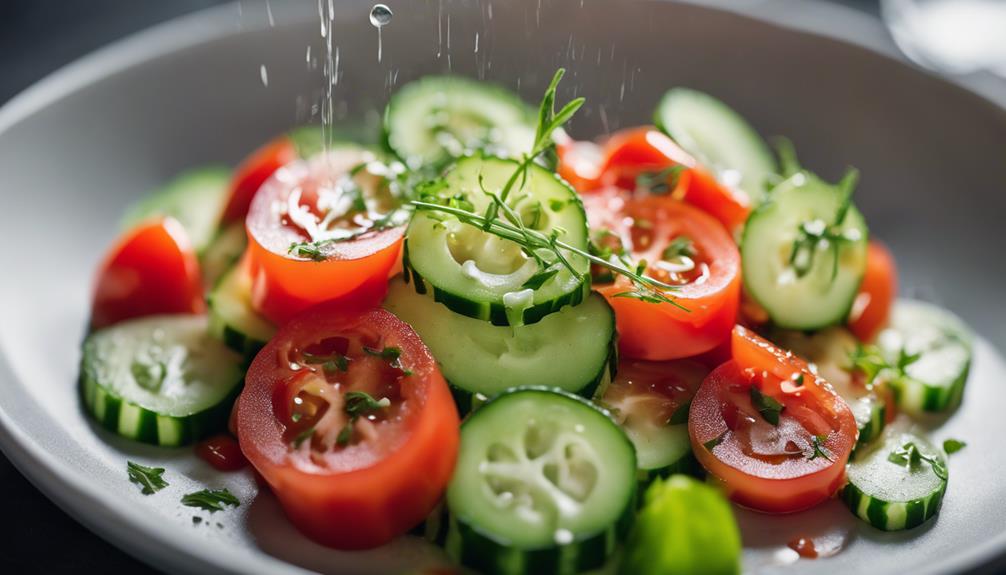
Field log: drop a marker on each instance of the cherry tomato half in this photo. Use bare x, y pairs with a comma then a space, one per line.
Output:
682, 246
775, 434
872, 305
253, 172
345, 253
348, 419
152, 270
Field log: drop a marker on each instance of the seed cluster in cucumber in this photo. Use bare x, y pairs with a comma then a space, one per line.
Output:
159, 379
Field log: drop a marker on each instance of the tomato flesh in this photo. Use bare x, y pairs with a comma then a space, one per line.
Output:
348, 477
253, 172
651, 393
872, 306
777, 467
706, 272
350, 258
152, 270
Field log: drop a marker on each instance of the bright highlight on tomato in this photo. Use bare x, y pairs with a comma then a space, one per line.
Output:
681, 246
774, 433
152, 270
350, 422
320, 230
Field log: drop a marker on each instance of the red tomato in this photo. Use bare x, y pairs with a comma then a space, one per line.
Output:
579, 162
315, 201
349, 473
253, 172
222, 452
707, 274
152, 270
778, 468
876, 295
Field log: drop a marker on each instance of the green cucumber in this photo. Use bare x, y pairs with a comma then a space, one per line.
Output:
898, 482
195, 198
719, 137
545, 483
483, 276
684, 527
804, 279
830, 351
233, 320
934, 381
222, 253
438, 118
572, 349
159, 379
638, 401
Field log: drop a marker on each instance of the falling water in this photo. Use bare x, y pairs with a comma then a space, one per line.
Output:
380, 16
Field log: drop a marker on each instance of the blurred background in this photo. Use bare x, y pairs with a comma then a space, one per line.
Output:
965, 39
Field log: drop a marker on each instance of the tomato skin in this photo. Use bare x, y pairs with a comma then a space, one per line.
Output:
731, 207
872, 306
579, 162
253, 172
400, 480
151, 270
662, 331
722, 409
283, 285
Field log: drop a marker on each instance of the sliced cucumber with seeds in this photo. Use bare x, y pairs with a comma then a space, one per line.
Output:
435, 119
195, 198
160, 379
233, 319
572, 349
222, 253
719, 138
800, 262
934, 347
483, 276
831, 352
898, 483
545, 483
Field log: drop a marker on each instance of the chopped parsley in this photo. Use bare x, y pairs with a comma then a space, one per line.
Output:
359, 403
660, 182
952, 446
149, 479
211, 500
909, 456
767, 406
681, 246
388, 354
818, 449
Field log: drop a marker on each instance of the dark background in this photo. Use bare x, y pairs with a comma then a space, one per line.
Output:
36, 38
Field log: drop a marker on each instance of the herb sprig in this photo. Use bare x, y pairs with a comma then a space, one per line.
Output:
909, 456
149, 479
211, 500
767, 406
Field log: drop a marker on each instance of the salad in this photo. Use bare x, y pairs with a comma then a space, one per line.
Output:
528, 349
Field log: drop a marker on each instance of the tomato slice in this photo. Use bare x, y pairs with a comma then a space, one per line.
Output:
349, 421
153, 269
579, 162
783, 465
336, 217
872, 305
649, 394
253, 172
681, 245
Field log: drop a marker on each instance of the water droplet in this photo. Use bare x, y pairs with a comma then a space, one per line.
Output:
268, 12
264, 74
380, 15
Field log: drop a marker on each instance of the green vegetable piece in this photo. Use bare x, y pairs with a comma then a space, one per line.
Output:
685, 527
952, 446
149, 479
211, 500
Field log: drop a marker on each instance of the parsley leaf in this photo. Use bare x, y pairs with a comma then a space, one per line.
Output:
909, 456
952, 446
148, 478
389, 354
767, 406
359, 403
818, 449
681, 246
211, 500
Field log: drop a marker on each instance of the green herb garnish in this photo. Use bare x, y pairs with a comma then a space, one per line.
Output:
680, 414
951, 446
303, 435
662, 181
712, 443
211, 500
813, 234
767, 406
818, 449
359, 403
909, 456
681, 246
388, 354
149, 479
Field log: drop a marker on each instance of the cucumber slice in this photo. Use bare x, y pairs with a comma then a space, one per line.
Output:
830, 351
233, 320
438, 118
221, 255
572, 349
719, 138
892, 488
159, 379
195, 198
816, 288
935, 380
483, 276
650, 401
545, 483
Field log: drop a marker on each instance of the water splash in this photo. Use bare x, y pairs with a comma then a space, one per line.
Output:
380, 16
